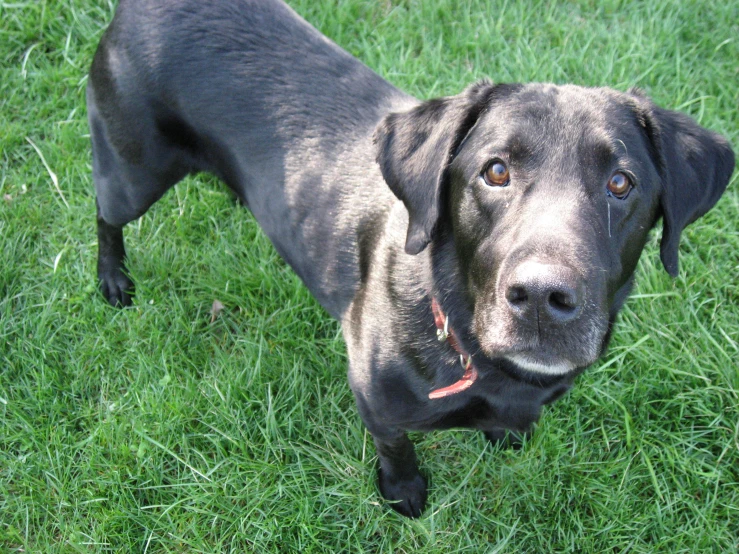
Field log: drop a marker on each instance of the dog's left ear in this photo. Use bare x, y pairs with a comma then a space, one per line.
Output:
695, 165
414, 149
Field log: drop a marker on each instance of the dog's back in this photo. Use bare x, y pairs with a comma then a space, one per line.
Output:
249, 91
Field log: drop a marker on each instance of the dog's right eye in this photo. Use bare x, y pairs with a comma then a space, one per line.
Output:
496, 174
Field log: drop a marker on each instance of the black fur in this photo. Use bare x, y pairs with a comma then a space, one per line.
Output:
694, 171
531, 275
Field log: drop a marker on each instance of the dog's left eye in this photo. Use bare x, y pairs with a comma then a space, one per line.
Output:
619, 185
496, 174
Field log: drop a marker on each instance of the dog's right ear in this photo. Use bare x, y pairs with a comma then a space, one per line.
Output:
414, 149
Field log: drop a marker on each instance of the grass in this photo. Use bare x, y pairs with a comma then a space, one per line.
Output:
154, 429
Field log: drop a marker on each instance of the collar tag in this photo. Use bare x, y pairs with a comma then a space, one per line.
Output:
443, 334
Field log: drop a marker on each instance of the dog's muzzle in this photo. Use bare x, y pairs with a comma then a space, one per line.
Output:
542, 319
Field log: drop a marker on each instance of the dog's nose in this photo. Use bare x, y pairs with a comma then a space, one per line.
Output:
554, 293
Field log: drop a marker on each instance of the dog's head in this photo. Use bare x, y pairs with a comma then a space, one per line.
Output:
548, 194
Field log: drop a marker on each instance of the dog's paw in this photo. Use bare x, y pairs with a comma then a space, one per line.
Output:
116, 287
506, 439
407, 496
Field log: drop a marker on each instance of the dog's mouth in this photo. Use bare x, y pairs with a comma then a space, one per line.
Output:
571, 355
543, 351
536, 364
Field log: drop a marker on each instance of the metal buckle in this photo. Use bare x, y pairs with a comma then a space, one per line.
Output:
443, 334
466, 365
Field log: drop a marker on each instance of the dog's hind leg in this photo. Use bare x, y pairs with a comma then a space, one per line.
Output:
116, 286
134, 164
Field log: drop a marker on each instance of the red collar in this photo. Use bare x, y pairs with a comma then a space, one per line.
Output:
444, 333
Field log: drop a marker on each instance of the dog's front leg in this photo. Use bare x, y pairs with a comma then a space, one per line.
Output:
382, 401
400, 480
506, 439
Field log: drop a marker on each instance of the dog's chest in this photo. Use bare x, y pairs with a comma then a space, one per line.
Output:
479, 413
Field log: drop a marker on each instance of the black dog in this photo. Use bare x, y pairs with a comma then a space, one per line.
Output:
524, 207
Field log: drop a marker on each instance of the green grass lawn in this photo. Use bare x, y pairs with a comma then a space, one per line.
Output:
153, 429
